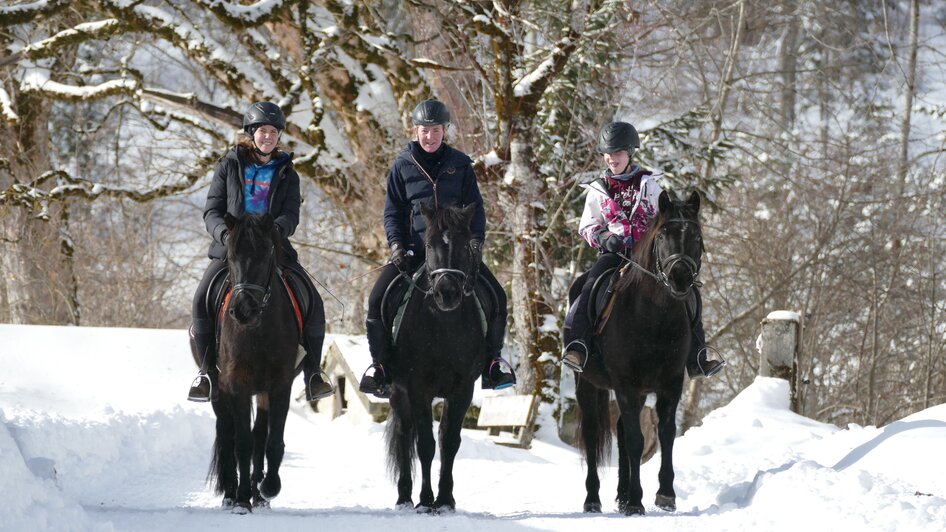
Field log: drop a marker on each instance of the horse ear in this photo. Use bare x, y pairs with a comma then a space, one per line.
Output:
693, 202
663, 202
267, 222
426, 210
468, 212
229, 220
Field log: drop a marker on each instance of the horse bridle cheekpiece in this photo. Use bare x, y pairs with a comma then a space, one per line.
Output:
665, 264
252, 288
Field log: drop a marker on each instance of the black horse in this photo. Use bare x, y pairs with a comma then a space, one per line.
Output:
259, 339
643, 347
440, 353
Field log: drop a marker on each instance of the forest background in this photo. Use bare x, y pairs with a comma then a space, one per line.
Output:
814, 130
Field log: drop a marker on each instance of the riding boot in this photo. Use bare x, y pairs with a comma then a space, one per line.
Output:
378, 383
316, 387
494, 378
204, 387
697, 363
576, 355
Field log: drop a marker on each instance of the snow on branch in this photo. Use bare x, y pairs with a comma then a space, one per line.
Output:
49, 47
38, 81
246, 15
6, 107
541, 75
36, 199
18, 14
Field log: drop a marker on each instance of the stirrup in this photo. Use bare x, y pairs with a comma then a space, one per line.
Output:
196, 384
578, 368
381, 389
488, 378
310, 397
701, 372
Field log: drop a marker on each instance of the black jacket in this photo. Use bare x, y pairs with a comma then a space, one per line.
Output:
226, 195
409, 188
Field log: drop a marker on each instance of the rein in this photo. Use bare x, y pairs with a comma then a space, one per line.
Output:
666, 264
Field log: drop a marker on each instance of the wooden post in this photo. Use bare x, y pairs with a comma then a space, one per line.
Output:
778, 349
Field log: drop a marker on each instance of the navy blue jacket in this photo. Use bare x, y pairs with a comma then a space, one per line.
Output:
409, 187
226, 195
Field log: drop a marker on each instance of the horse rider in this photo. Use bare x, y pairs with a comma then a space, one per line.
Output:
256, 177
429, 171
619, 207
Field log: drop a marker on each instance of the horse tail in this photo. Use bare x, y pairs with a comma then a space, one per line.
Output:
594, 422
401, 435
215, 472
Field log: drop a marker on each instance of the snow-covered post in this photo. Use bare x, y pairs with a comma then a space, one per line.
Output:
778, 348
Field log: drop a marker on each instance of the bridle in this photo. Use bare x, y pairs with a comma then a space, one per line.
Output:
252, 289
466, 279
666, 264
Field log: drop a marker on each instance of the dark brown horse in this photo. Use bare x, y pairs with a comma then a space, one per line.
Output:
643, 349
440, 352
259, 341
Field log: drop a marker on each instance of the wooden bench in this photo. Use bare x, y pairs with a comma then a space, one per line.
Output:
513, 412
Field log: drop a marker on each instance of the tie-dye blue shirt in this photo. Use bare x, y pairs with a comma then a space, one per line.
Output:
257, 184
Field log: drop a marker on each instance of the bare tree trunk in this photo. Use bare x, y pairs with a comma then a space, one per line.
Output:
788, 65
904, 159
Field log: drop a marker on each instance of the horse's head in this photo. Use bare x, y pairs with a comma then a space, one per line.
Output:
252, 247
450, 265
678, 244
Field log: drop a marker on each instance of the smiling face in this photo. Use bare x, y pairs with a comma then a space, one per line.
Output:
617, 161
430, 137
266, 137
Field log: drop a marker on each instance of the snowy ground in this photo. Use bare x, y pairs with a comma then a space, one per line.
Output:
95, 435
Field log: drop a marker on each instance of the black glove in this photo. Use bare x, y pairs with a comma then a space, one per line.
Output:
223, 236
611, 242
399, 257
476, 250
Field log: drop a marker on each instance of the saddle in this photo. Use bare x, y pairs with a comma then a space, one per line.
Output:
399, 293
602, 294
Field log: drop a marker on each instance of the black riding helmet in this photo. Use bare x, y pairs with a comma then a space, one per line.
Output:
618, 136
263, 114
430, 112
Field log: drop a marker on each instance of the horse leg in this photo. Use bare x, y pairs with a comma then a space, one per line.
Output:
244, 451
623, 472
424, 419
454, 410
260, 433
666, 432
223, 465
595, 429
401, 434
275, 445
630, 404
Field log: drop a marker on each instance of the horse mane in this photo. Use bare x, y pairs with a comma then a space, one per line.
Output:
253, 225
448, 219
642, 252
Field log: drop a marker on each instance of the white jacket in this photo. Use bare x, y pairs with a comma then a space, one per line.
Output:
627, 217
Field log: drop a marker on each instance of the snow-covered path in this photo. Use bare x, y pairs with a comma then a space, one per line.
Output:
94, 435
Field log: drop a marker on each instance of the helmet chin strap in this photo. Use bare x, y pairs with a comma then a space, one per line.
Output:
260, 152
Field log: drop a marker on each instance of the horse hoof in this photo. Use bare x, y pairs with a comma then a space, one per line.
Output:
666, 503
270, 487
634, 510
241, 508
227, 503
592, 507
445, 508
404, 505
422, 508
260, 502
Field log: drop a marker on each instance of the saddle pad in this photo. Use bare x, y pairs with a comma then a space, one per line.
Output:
401, 290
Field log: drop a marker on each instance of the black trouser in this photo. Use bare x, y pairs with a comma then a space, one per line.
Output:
496, 324
313, 330
580, 321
